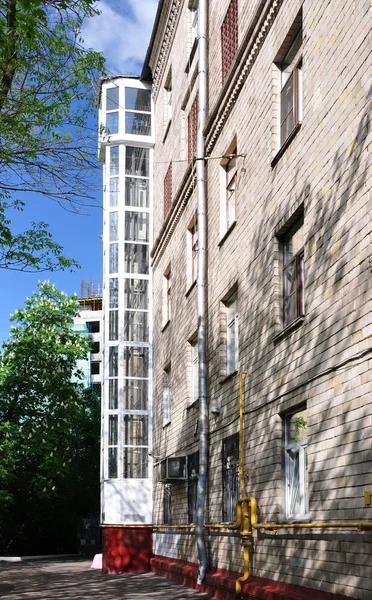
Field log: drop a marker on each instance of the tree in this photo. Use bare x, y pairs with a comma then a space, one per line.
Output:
46, 98
49, 426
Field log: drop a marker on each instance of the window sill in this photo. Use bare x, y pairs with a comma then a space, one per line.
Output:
229, 376
227, 233
296, 324
192, 404
167, 130
192, 286
287, 142
191, 55
166, 424
165, 325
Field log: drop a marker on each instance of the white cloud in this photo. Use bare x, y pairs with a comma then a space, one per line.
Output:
122, 32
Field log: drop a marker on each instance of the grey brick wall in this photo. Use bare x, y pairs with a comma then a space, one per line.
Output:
325, 361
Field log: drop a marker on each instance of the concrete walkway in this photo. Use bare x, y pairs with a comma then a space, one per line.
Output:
71, 579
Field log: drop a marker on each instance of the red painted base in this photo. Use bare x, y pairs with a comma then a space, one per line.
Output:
126, 549
220, 583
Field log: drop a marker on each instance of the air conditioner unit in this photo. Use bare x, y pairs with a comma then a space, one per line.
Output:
173, 468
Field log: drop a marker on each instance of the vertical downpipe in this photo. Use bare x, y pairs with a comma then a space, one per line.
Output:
201, 287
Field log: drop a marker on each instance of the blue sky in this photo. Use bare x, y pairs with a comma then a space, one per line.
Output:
122, 32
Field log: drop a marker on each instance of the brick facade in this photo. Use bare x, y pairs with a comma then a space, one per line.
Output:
323, 360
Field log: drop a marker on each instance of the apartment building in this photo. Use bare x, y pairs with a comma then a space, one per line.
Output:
287, 288
125, 149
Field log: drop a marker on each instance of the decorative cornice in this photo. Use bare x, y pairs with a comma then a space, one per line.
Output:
165, 46
185, 190
242, 70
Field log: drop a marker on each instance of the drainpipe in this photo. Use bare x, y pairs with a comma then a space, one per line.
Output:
201, 287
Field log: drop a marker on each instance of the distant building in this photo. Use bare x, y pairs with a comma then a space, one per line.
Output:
90, 323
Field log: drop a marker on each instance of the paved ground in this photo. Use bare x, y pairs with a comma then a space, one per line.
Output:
73, 579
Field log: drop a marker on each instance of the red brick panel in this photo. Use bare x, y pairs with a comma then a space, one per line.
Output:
192, 127
229, 38
168, 190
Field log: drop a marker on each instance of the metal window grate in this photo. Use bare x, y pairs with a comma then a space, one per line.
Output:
229, 38
168, 190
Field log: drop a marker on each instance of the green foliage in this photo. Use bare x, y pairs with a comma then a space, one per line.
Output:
46, 99
49, 425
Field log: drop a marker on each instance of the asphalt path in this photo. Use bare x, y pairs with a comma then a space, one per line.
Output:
73, 579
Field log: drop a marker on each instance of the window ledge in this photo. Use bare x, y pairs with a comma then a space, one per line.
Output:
229, 376
191, 288
191, 55
287, 142
227, 233
167, 130
166, 424
296, 324
192, 404
165, 325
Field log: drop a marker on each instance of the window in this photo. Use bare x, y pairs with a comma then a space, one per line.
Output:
168, 190
94, 367
194, 14
168, 99
192, 485
167, 396
192, 252
167, 295
167, 504
93, 326
112, 110
230, 477
288, 86
95, 347
194, 370
137, 111
229, 38
293, 273
232, 341
295, 426
192, 128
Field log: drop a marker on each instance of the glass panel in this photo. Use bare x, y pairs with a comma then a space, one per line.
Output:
294, 492
113, 325
195, 370
293, 241
297, 427
136, 430
136, 258
114, 258
114, 160
137, 226
114, 191
289, 309
135, 395
137, 161
112, 98
136, 362
114, 226
137, 192
113, 361
136, 463
113, 394
113, 463
137, 123
231, 343
113, 430
287, 104
290, 278
135, 327
114, 293
136, 293
112, 122
137, 99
